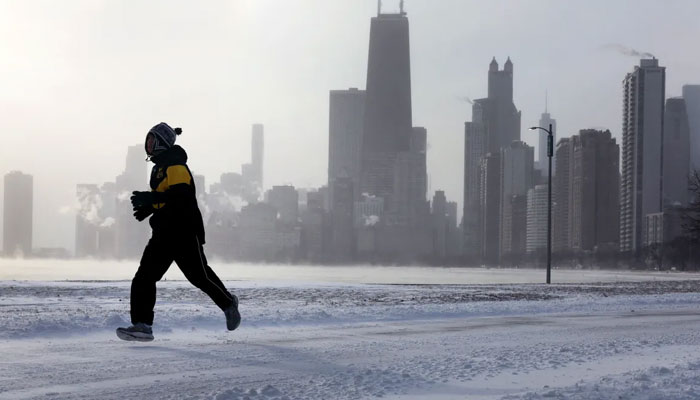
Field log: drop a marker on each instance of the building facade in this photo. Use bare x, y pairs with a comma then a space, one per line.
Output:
18, 211
676, 154
642, 143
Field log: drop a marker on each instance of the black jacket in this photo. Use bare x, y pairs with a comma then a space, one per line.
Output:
175, 209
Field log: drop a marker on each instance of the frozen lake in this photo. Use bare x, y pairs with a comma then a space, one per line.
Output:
59, 270
318, 341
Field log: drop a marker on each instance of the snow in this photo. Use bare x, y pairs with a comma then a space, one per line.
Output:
620, 336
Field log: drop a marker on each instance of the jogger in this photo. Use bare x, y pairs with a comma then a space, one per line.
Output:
178, 235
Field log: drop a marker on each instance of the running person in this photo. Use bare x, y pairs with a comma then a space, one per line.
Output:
178, 235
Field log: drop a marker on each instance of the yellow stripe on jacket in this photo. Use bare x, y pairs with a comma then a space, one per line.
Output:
174, 175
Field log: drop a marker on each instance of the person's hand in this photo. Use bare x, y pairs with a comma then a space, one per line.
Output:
142, 199
141, 213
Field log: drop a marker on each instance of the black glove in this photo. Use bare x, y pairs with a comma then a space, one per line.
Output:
142, 199
141, 213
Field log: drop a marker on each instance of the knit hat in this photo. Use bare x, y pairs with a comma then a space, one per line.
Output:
164, 137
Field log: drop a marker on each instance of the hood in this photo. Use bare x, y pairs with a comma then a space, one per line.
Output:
172, 156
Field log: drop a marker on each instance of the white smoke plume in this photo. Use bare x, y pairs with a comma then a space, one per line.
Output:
627, 51
465, 99
122, 196
89, 205
371, 220
109, 221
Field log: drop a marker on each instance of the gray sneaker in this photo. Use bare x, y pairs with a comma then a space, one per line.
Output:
139, 332
233, 317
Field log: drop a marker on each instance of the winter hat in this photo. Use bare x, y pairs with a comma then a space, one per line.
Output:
165, 136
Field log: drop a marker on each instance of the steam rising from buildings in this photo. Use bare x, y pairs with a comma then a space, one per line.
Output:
465, 99
627, 51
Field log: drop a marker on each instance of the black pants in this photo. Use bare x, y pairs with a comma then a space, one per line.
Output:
159, 253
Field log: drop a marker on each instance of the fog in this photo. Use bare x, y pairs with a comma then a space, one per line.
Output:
266, 274
82, 80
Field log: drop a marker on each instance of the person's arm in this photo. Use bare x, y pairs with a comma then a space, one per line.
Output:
178, 186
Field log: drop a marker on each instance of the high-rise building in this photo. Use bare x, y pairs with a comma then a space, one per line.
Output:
691, 95
440, 224
314, 229
642, 143
387, 119
676, 154
537, 218
18, 209
561, 190
474, 150
502, 118
517, 167
347, 109
342, 240
594, 190
490, 207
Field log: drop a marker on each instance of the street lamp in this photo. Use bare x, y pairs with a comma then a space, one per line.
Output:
550, 153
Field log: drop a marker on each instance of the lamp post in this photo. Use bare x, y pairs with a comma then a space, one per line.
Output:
550, 153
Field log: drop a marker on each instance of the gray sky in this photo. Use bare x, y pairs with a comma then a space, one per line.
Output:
82, 80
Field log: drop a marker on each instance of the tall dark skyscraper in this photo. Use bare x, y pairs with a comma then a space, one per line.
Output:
676, 153
594, 190
691, 95
586, 192
387, 117
18, 211
502, 118
346, 119
644, 94
495, 125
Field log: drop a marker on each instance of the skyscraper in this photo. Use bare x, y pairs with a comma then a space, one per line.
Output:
561, 226
387, 117
536, 218
502, 118
474, 150
342, 241
517, 167
346, 119
677, 150
691, 95
586, 192
594, 183
490, 207
439, 224
642, 143
18, 214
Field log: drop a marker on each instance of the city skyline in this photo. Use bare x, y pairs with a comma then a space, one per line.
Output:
121, 118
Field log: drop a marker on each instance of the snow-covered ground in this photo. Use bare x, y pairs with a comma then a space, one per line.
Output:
323, 340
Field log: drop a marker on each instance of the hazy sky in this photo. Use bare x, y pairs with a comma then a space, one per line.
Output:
82, 80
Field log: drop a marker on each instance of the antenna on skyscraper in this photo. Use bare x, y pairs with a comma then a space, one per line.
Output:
546, 101
401, 11
379, 7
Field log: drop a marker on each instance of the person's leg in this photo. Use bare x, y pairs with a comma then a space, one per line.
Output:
192, 262
156, 259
